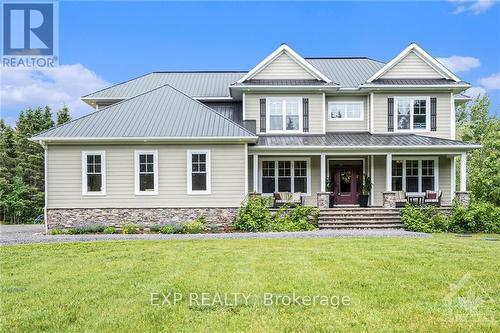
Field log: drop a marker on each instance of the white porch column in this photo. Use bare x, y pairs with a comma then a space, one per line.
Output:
255, 173
463, 173
323, 173
453, 178
388, 173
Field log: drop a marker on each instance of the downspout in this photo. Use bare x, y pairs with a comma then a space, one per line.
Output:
46, 182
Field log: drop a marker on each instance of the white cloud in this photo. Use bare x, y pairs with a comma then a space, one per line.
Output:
459, 64
55, 87
475, 7
491, 82
475, 91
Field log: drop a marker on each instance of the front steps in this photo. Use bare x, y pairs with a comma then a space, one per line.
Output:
360, 218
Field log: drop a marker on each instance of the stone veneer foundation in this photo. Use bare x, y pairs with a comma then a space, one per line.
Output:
222, 218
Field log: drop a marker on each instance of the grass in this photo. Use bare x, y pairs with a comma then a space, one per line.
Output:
394, 284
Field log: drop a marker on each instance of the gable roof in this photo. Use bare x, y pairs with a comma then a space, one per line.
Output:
417, 50
285, 49
163, 113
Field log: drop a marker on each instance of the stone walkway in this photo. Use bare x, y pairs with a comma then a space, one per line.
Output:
30, 234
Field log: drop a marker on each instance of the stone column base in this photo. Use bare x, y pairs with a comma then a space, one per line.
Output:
389, 200
462, 197
323, 199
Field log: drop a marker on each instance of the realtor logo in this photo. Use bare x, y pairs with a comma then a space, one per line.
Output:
29, 32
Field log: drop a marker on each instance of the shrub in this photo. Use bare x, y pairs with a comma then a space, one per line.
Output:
90, 229
293, 219
475, 217
424, 219
109, 230
254, 214
168, 229
71, 231
194, 227
56, 232
155, 228
130, 229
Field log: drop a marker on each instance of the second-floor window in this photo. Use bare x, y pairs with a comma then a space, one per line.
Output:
345, 110
412, 113
284, 114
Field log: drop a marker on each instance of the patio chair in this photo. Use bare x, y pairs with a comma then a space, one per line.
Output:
288, 198
432, 198
400, 199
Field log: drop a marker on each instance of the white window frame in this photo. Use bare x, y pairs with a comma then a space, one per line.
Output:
412, 100
283, 101
189, 175
360, 118
292, 172
155, 171
85, 192
419, 159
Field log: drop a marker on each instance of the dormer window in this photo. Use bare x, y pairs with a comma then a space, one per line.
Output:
412, 114
284, 114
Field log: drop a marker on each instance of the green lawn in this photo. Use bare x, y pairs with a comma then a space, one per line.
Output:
394, 284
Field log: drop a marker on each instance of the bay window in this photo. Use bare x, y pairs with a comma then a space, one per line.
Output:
284, 114
93, 173
285, 175
412, 113
146, 172
414, 174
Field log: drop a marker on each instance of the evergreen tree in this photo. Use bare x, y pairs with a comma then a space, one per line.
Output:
63, 116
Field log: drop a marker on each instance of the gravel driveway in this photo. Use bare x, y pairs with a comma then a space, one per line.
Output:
26, 234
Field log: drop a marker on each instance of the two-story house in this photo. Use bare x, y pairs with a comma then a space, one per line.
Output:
169, 146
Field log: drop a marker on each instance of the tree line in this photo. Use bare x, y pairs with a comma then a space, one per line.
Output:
22, 164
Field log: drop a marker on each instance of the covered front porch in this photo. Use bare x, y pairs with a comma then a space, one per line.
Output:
336, 176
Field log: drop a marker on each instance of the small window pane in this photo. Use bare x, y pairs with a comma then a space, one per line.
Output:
284, 184
403, 114
300, 184
411, 184
427, 183
397, 183
94, 182
199, 182
268, 185
146, 182
142, 158
276, 123
284, 169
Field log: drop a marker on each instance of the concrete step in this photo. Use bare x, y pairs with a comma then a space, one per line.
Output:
364, 226
354, 216
359, 220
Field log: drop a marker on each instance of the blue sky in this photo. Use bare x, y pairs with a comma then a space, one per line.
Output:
103, 43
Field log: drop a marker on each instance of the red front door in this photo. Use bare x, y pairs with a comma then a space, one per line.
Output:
347, 181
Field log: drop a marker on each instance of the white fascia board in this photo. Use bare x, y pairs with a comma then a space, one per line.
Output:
236, 139
246, 87
423, 55
284, 48
451, 148
461, 87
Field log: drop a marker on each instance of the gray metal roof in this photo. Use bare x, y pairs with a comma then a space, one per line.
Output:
420, 82
194, 84
348, 139
347, 72
163, 112
285, 82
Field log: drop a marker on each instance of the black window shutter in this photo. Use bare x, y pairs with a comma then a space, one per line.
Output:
263, 115
390, 114
305, 114
433, 114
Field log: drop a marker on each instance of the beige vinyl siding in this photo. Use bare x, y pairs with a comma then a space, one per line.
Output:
344, 125
445, 179
315, 181
316, 112
412, 67
443, 109
65, 177
378, 179
283, 67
